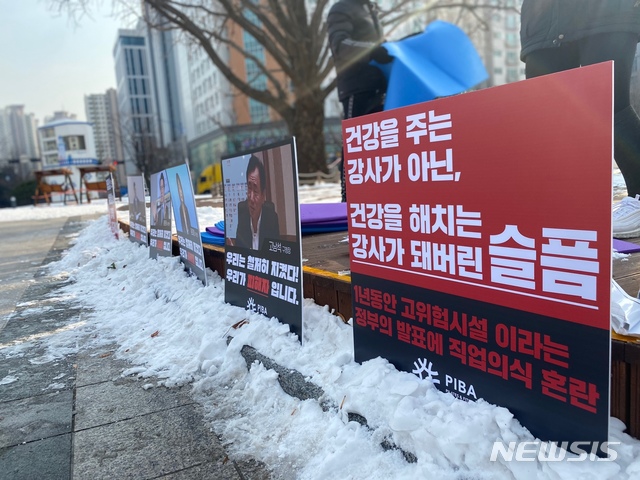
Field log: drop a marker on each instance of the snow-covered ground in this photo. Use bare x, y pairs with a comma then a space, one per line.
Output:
174, 332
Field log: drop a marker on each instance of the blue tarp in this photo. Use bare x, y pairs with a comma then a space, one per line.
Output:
438, 62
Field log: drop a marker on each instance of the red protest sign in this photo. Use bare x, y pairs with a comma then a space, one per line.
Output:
483, 222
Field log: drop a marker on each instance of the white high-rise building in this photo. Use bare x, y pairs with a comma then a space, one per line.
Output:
499, 45
150, 97
18, 137
102, 112
210, 93
135, 97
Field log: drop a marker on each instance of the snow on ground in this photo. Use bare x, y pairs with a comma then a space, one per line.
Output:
319, 193
174, 332
54, 210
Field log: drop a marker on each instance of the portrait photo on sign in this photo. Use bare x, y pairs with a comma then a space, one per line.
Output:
137, 209
263, 251
160, 234
160, 201
183, 201
186, 220
258, 199
135, 187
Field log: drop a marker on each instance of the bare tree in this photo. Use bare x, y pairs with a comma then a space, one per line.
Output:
142, 148
471, 13
296, 63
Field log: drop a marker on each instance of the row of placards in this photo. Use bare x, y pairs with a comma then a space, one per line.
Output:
171, 195
262, 236
480, 243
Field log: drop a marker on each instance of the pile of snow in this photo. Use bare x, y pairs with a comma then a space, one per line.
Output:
175, 331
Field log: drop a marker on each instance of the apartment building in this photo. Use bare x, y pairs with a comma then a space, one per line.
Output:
17, 133
101, 110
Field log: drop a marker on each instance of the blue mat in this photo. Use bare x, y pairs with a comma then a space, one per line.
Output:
307, 229
438, 62
211, 239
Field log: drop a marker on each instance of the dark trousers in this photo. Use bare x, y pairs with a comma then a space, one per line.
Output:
619, 47
355, 106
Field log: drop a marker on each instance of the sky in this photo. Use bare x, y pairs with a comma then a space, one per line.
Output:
48, 62
451, 438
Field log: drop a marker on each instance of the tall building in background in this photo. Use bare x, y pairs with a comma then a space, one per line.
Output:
150, 96
209, 92
212, 110
18, 133
19, 147
225, 119
499, 45
167, 55
101, 110
135, 98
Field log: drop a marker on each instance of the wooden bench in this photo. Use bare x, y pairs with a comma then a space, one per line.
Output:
97, 186
45, 190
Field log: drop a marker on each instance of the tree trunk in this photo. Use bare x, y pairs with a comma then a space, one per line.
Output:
308, 123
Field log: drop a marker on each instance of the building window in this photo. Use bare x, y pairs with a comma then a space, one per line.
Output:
74, 142
259, 111
129, 62
132, 41
141, 64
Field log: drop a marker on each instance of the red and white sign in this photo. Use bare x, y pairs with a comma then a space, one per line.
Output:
480, 242
501, 195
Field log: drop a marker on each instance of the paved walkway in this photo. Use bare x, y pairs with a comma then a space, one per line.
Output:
72, 415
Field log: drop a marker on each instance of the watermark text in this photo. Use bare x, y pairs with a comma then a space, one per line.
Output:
534, 450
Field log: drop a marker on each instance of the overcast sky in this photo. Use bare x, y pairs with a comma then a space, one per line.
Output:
48, 63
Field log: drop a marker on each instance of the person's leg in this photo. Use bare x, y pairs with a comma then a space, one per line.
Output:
362, 104
626, 148
551, 60
621, 48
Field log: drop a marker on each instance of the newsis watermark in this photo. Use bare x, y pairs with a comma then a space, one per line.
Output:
535, 450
